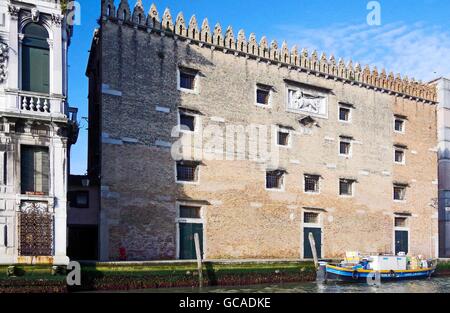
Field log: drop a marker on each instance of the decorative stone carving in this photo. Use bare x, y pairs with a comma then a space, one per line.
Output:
35, 13
180, 26
206, 32
167, 22
123, 13
153, 17
321, 66
13, 11
4, 50
229, 38
306, 101
138, 13
57, 19
108, 8
33, 207
193, 28
217, 35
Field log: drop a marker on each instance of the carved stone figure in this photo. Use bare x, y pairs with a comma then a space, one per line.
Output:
35, 15
306, 102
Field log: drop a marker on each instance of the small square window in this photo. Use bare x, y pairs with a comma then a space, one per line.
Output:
399, 156
312, 183
187, 122
344, 114
399, 125
346, 187
283, 138
274, 180
262, 96
399, 193
188, 79
311, 218
344, 147
189, 211
187, 171
401, 222
79, 199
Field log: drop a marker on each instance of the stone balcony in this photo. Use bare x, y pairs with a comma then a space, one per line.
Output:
35, 105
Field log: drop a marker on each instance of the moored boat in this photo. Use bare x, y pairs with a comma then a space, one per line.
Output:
336, 272
356, 268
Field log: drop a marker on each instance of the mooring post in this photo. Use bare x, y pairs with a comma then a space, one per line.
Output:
199, 259
312, 242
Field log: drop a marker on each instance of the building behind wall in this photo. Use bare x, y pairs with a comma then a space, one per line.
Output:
353, 155
37, 128
82, 219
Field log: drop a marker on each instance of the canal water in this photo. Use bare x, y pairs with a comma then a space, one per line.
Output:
435, 285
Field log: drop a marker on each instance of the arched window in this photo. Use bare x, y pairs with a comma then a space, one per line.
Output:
35, 59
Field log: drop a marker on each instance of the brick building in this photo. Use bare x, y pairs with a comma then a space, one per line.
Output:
252, 145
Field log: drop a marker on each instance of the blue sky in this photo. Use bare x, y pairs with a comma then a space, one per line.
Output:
413, 38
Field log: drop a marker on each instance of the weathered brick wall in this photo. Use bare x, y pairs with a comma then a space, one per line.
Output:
244, 220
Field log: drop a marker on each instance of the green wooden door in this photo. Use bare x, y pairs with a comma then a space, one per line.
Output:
307, 251
35, 69
401, 241
187, 244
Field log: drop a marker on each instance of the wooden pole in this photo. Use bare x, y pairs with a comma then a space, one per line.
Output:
312, 242
199, 259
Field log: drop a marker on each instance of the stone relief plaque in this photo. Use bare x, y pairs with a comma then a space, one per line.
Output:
307, 101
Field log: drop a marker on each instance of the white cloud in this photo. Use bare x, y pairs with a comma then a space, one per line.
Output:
418, 50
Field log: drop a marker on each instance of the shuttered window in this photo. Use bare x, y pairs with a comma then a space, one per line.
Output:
35, 59
35, 170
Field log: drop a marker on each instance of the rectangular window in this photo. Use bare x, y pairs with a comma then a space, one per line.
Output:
399, 192
190, 212
263, 95
399, 156
79, 199
283, 138
187, 122
311, 218
346, 187
35, 170
274, 180
399, 125
401, 222
312, 183
188, 79
345, 147
344, 114
187, 171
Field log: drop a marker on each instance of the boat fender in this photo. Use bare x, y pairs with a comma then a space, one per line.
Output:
355, 275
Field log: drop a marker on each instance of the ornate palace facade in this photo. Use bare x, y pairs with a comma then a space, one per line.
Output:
37, 128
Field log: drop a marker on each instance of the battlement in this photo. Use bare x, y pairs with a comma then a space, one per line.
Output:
240, 45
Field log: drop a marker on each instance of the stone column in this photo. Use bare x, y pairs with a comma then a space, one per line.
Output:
59, 189
56, 64
14, 57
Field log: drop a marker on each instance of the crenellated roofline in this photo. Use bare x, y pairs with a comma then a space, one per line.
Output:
239, 45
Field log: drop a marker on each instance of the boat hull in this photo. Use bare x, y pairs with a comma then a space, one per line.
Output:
349, 275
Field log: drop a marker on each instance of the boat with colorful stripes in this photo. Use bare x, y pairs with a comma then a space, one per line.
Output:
334, 272
356, 268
